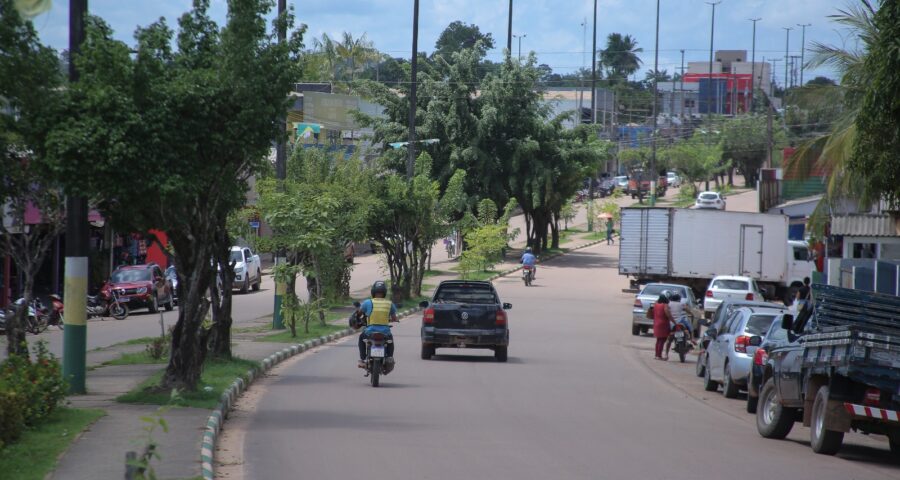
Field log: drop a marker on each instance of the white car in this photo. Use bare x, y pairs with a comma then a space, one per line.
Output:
673, 179
724, 287
621, 182
713, 200
247, 269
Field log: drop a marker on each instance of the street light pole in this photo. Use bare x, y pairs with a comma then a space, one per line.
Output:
681, 88
410, 161
280, 175
787, 60
77, 243
712, 33
803, 49
520, 37
753, 64
593, 111
654, 175
508, 31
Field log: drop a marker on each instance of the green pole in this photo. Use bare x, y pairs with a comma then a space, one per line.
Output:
280, 288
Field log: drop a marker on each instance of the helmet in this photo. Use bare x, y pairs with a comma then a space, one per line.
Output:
379, 287
527, 249
675, 297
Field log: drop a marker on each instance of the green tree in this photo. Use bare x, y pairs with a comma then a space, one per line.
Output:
29, 105
744, 145
694, 160
204, 113
620, 57
460, 36
878, 124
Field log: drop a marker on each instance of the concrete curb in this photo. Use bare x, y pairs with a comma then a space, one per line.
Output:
230, 395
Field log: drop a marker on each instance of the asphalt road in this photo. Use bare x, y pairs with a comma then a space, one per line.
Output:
577, 399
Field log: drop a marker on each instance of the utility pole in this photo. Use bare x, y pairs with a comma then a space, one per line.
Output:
77, 239
411, 160
772, 85
753, 64
803, 49
794, 61
654, 175
508, 31
280, 175
712, 33
520, 37
593, 110
681, 96
787, 59
581, 75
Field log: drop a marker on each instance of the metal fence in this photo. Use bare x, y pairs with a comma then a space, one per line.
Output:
871, 275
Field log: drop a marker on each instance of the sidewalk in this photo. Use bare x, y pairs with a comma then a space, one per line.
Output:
100, 451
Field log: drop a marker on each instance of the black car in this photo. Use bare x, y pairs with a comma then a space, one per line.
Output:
606, 187
723, 311
465, 314
775, 337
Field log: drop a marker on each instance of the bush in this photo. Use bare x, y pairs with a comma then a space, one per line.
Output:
158, 347
39, 384
12, 420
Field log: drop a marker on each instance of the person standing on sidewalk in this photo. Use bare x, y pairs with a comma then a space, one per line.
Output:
662, 318
609, 231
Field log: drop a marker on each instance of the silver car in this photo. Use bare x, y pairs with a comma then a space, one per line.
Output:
729, 356
648, 296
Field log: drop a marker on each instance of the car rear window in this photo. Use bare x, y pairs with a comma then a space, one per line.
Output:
759, 324
465, 293
658, 289
731, 284
778, 334
708, 196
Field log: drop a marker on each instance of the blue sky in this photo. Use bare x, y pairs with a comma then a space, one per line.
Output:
552, 28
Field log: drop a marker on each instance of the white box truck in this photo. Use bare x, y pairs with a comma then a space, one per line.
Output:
690, 247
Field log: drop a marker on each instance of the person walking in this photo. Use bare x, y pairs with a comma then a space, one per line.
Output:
609, 231
662, 319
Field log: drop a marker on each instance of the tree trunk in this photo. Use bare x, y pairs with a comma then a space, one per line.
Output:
16, 343
554, 230
220, 335
319, 291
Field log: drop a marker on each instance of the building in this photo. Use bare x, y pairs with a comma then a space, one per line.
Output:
729, 90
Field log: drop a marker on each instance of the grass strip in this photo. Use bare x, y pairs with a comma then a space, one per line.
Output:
316, 330
35, 455
217, 375
136, 358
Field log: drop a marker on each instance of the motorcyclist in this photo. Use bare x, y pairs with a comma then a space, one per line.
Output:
529, 260
380, 312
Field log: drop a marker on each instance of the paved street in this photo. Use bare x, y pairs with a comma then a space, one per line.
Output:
579, 398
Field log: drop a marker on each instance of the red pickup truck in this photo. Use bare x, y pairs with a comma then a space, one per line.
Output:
640, 186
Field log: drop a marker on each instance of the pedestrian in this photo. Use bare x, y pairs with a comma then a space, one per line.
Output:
662, 318
804, 294
609, 231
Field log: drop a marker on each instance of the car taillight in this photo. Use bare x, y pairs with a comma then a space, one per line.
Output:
500, 320
749, 296
872, 397
428, 316
637, 303
760, 357
741, 343
709, 294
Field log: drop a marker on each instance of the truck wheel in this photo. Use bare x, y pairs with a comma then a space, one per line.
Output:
246, 286
500, 353
635, 329
772, 419
894, 441
427, 351
700, 369
729, 388
258, 281
709, 384
822, 440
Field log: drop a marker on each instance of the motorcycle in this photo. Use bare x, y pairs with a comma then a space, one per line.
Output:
377, 362
527, 274
55, 312
682, 346
101, 306
36, 319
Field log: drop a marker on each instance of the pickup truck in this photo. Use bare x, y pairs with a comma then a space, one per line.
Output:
639, 186
247, 269
465, 314
839, 370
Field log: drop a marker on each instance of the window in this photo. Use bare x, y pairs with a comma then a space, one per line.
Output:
778, 334
759, 324
709, 196
236, 256
801, 254
864, 250
733, 321
247, 253
689, 103
130, 275
466, 293
727, 284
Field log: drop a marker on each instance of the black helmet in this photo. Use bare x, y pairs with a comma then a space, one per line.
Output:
675, 297
379, 287
527, 249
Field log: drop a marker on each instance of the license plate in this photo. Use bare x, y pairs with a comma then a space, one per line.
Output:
377, 352
679, 335
124, 300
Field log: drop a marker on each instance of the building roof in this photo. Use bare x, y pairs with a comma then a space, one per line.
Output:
865, 225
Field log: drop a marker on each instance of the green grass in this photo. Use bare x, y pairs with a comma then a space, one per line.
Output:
595, 235
316, 330
434, 273
254, 329
481, 275
34, 456
137, 358
217, 375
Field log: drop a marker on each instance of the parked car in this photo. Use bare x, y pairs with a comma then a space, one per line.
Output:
247, 269
648, 296
465, 314
714, 200
717, 322
606, 187
141, 286
730, 353
621, 182
776, 337
674, 179
724, 287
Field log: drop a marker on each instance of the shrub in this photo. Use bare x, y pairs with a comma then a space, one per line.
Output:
39, 384
12, 420
159, 346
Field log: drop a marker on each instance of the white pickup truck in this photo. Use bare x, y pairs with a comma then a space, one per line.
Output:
247, 269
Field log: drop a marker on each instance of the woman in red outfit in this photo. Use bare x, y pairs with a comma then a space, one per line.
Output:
662, 319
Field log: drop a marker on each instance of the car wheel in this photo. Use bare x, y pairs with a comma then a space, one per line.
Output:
822, 440
772, 419
729, 388
894, 441
170, 305
500, 353
427, 351
709, 384
246, 286
258, 283
635, 329
644, 330
752, 403
154, 304
700, 369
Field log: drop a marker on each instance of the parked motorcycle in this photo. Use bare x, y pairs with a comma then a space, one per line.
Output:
36, 317
101, 306
682, 346
55, 311
527, 275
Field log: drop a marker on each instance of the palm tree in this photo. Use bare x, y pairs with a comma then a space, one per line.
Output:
355, 53
327, 48
620, 57
833, 151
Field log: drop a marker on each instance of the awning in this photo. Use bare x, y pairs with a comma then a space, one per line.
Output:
865, 225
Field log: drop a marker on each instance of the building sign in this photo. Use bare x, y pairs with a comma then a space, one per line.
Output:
332, 111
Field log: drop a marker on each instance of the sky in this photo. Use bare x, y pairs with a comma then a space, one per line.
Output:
550, 28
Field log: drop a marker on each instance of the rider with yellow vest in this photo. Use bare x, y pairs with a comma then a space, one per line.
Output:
379, 311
